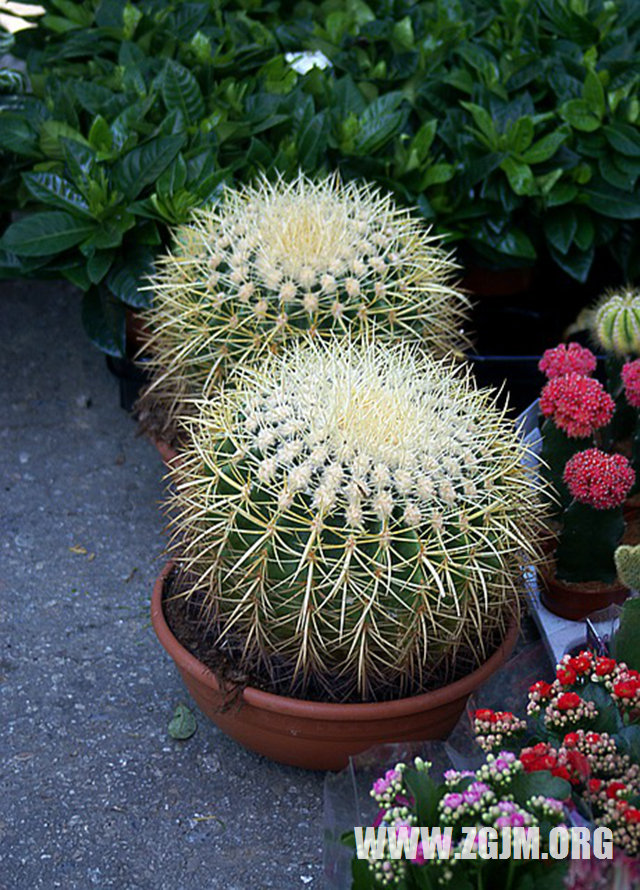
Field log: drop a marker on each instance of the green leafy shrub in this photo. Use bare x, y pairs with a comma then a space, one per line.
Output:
514, 127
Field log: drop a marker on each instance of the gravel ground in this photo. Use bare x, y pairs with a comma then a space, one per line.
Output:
95, 793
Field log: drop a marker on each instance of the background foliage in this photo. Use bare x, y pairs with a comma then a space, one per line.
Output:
514, 126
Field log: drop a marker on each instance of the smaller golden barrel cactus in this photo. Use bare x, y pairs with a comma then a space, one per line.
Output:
272, 262
356, 517
615, 322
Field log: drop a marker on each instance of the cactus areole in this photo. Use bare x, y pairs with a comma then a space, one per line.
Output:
357, 518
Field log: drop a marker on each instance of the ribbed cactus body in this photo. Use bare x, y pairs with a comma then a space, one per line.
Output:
627, 560
273, 262
616, 322
588, 542
356, 516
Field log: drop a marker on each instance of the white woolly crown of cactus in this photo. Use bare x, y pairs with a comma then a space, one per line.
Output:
271, 262
615, 323
355, 517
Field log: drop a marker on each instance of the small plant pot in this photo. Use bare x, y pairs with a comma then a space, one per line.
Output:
319, 735
576, 601
167, 452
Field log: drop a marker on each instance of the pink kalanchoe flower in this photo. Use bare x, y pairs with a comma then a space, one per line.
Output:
578, 405
631, 380
599, 480
567, 358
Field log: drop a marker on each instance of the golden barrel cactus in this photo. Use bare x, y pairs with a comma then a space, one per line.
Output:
272, 262
356, 517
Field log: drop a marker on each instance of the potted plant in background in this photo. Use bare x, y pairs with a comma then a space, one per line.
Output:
497, 795
580, 576
583, 727
614, 324
516, 135
575, 408
271, 263
349, 525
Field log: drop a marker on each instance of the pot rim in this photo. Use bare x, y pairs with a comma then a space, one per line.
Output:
330, 711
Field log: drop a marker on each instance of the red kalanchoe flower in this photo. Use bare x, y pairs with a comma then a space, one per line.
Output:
581, 664
599, 480
566, 675
579, 766
567, 359
486, 715
543, 689
613, 788
578, 405
632, 815
594, 785
541, 756
567, 701
631, 380
571, 740
626, 688
605, 666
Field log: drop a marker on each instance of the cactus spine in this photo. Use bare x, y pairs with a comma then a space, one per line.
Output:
270, 263
357, 518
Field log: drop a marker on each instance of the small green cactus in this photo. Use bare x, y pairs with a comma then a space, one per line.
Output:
270, 263
357, 517
615, 322
627, 560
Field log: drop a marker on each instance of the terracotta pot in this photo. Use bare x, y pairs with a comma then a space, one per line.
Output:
167, 452
320, 735
572, 601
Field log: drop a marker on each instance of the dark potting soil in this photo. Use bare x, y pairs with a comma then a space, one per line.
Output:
188, 620
154, 420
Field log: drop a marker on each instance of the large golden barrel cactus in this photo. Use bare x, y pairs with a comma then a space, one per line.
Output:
356, 518
272, 262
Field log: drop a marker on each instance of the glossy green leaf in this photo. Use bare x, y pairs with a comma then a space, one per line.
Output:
100, 135
103, 318
560, 226
624, 138
612, 202
98, 265
51, 135
47, 233
580, 115
519, 175
18, 136
527, 785
544, 148
49, 188
380, 122
180, 90
437, 174
593, 94
145, 163
129, 276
